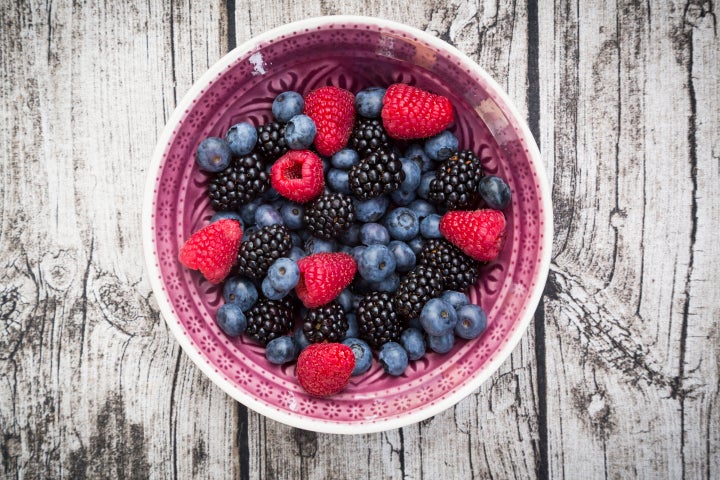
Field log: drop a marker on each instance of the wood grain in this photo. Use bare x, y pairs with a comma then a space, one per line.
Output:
618, 377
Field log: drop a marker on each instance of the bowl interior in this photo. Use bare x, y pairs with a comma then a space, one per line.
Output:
352, 55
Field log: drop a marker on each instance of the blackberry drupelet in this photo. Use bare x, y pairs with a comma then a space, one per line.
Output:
329, 215
416, 288
368, 135
458, 270
378, 323
271, 140
243, 181
456, 181
269, 319
261, 249
378, 173
326, 323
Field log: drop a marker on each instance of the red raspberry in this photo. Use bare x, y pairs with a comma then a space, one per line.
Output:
213, 249
333, 111
324, 369
479, 233
298, 176
323, 276
410, 113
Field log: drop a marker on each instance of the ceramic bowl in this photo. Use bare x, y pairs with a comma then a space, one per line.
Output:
353, 53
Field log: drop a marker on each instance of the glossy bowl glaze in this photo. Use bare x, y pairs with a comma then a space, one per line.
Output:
353, 53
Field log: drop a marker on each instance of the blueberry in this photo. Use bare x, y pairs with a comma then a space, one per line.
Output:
369, 102
422, 208
345, 300
271, 292
472, 321
346, 249
353, 329
403, 198
247, 211
393, 358
414, 323
280, 350
240, 291
404, 256
296, 239
455, 299
231, 319
296, 254
402, 223
326, 166
292, 215
374, 233
441, 343
412, 175
430, 226
376, 263
438, 317
357, 252
351, 236
267, 215
416, 153
271, 194
416, 244
371, 210
345, 159
242, 138
442, 146
227, 215
413, 342
213, 155
423, 189
338, 180
495, 192
300, 132
283, 274
301, 340
318, 245
287, 105
388, 284
363, 355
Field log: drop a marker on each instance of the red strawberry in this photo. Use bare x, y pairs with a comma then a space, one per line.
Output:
298, 175
213, 249
333, 111
479, 233
324, 369
323, 276
410, 112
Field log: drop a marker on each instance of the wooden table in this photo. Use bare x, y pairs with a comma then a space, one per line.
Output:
618, 375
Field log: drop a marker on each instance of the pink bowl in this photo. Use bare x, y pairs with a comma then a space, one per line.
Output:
353, 53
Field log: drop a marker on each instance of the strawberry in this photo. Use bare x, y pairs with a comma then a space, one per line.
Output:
478, 233
323, 276
213, 249
298, 176
410, 112
333, 111
324, 369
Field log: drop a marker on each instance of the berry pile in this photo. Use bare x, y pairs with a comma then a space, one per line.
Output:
337, 239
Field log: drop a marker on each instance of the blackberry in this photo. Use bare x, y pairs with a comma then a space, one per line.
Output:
326, 323
271, 140
329, 215
269, 319
458, 270
377, 321
378, 173
243, 181
456, 181
261, 249
368, 135
416, 288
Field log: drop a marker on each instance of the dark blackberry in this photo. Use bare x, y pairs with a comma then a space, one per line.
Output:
271, 140
329, 215
269, 319
377, 321
326, 323
416, 288
261, 249
458, 270
368, 135
243, 181
378, 173
456, 181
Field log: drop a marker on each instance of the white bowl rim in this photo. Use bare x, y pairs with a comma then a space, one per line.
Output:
323, 426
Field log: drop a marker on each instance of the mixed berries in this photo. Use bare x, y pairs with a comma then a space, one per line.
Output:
347, 231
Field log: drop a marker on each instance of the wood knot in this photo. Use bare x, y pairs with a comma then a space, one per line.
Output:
123, 306
58, 269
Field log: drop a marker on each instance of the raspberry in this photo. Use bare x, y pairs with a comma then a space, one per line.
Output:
480, 234
324, 369
298, 176
333, 111
213, 249
323, 276
410, 113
